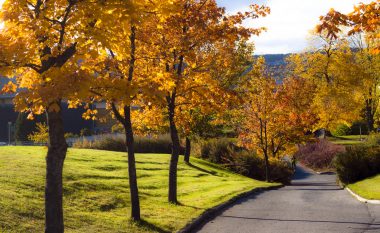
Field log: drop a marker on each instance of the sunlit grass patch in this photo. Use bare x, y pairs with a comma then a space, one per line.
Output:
96, 191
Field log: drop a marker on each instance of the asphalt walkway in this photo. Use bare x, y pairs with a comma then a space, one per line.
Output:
312, 204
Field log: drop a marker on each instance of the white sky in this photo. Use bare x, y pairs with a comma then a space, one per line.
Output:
288, 24
290, 21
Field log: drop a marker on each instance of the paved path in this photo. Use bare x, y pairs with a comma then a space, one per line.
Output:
312, 204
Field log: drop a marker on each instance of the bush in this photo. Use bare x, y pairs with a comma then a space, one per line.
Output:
373, 139
357, 163
251, 165
224, 151
341, 130
318, 155
41, 135
160, 144
85, 132
25, 127
218, 150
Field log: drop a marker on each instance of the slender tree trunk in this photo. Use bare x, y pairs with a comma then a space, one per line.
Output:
129, 138
175, 151
267, 168
57, 148
187, 150
369, 116
135, 202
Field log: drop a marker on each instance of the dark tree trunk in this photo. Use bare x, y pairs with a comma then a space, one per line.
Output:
369, 116
129, 138
57, 148
135, 202
175, 151
267, 168
187, 150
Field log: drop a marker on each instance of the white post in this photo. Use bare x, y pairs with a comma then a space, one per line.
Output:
9, 132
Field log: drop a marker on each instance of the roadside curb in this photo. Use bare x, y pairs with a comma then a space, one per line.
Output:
212, 212
362, 199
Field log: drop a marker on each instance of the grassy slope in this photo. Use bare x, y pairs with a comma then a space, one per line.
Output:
96, 195
348, 139
368, 188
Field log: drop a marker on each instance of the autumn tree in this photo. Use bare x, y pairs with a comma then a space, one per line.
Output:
125, 68
42, 43
328, 64
340, 57
365, 18
185, 42
366, 69
276, 117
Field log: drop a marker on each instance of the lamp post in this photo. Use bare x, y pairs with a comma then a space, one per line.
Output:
9, 132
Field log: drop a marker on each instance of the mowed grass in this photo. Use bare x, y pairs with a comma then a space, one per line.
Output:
348, 139
96, 191
368, 188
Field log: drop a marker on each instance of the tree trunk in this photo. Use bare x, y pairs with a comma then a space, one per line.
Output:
175, 153
187, 150
369, 117
57, 148
135, 202
267, 169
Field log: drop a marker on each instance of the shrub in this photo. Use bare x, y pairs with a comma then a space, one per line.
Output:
25, 127
41, 135
223, 151
318, 155
251, 165
85, 132
358, 163
373, 139
110, 143
160, 144
341, 130
218, 150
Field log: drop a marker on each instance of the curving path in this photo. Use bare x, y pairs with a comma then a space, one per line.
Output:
312, 204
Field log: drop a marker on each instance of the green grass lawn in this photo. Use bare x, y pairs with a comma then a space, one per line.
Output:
348, 139
368, 188
96, 193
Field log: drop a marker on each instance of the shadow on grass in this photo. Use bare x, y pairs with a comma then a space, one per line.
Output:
194, 207
213, 173
151, 227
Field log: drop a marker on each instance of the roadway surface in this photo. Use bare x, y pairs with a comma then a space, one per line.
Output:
312, 204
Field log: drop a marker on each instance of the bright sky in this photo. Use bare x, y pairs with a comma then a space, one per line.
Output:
288, 24
290, 21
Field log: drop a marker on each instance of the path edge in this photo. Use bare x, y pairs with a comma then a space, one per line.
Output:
362, 199
212, 212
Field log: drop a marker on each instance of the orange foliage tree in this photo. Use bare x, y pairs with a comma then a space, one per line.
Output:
42, 43
364, 18
276, 116
125, 68
187, 42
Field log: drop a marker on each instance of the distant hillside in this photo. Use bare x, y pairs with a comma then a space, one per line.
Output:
276, 64
274, 59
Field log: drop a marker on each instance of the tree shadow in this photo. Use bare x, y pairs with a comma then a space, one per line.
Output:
213, 173
150, 226
313, 184
299, 220
301, 173
311, 189
194, 207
